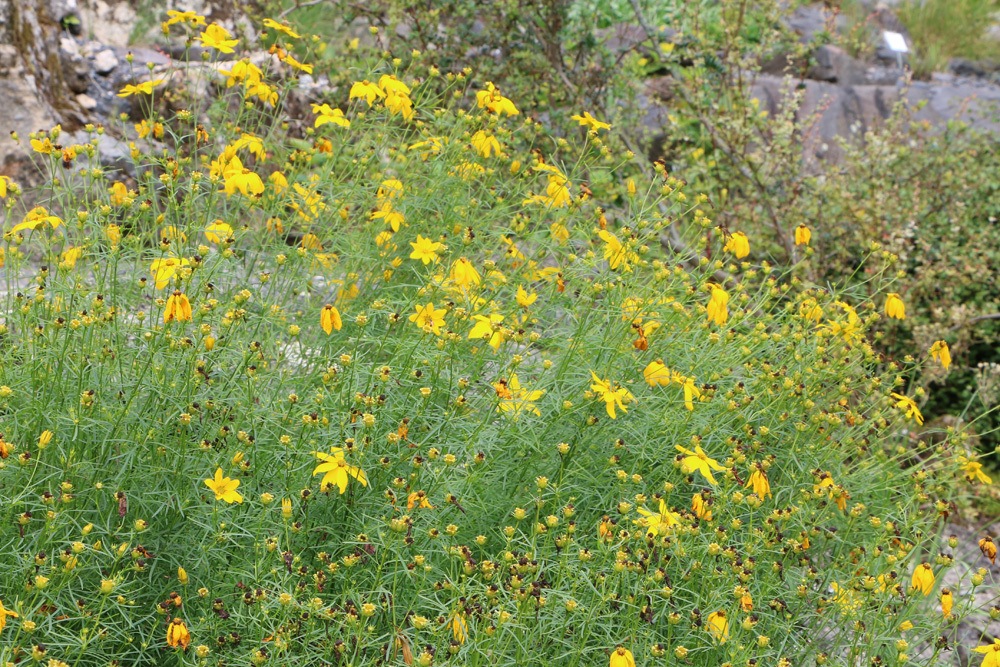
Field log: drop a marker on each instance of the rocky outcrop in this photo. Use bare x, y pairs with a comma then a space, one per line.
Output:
833, 111
63, 62
838, 97
37, 82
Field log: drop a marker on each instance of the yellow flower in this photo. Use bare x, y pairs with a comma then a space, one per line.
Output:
216, 37
810, 309
718, 311
391, 188
991, 657
906, 403
252, 143
290, 60
280, 27
486, 144
418, 500
329, 319
430, 146
834, 492
701, 507
4, 182
947, 602
923, 579
224, 488
622, 657
523, 298
43, 146
310, 241
218, 232
459, 628
699, 461
390, 84
718, 626
178, 308
656, 374
174, 17
392, 217
761, 485
243, 71
367, 91
4, 613
940, 352
337, 471
974, 471
989, 548
35, 218
278, 180
493, 101
172, 233
262, 91
894, 306
559, 232
182, 576
165, 269
691, 392
738, 244
69, 257
615, 253
237, 177
612, 395
463, 274
845, 598
177, 634
516, 399
426, 250
399, 103
429, 319
117, 194
849, 330
658, 523
802, 235
512, 251
327, 114
588, 121
144, 88
488, 327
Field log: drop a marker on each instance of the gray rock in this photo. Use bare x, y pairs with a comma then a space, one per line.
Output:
75, 69
808, 21
142, 56
976, 68
833, 64
69, 46
86, 102
110, 22
836, 112
113, 153
105, 62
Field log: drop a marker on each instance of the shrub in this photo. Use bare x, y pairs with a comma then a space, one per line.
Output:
409, 380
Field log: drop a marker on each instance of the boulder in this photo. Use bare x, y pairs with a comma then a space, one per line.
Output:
105, 62
835, 65
833, 111
810, 20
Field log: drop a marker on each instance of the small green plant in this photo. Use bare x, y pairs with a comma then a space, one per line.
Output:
946, 29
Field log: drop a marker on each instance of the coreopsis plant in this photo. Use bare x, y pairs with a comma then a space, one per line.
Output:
505, 424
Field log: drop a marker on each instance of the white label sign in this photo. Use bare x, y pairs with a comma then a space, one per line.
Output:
896, 41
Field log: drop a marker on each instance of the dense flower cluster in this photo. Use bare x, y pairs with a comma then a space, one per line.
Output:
422, 382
